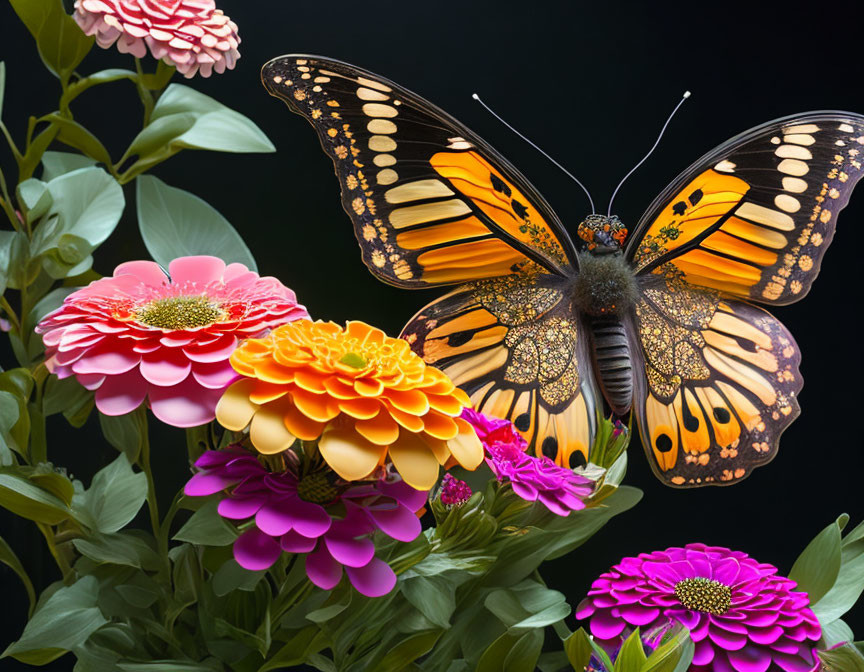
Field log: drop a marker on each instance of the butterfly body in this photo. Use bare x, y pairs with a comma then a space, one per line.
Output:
540, 328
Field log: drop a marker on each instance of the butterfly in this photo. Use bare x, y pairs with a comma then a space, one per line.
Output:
540, 327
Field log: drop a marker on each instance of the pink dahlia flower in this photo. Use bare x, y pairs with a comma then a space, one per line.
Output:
534, 479
454, 492
141, 335
191, 35
328, 520
742, 616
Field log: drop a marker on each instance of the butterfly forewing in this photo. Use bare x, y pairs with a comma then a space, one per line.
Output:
754, 217
515, 345
431, 203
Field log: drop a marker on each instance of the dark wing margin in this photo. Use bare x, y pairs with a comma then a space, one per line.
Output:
753, 217
432, 203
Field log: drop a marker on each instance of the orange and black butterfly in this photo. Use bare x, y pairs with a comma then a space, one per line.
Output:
539, 325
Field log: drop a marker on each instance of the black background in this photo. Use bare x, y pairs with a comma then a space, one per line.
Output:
589, 82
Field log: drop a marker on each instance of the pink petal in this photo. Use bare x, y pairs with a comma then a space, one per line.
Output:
322, 569
750, 659
216, 376
201, 270
606, 626
107, 358
397, 522
184, 405
240, 507
292, 542
373, 580
147, 272
636, 614
218, 351
164, 367
203, 484
350, 552
254, 550
122, 394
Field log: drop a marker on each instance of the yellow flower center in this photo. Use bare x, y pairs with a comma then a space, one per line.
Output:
354, 360
317, 489
710, 597
179, 312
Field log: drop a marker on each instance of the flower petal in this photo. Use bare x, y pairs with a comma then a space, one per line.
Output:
122, 394
184, 405
373, 580
255, 550
414, 461
322, 569
349, 454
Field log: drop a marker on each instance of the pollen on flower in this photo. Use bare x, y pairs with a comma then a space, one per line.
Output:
179, 312
705, 595
316, 488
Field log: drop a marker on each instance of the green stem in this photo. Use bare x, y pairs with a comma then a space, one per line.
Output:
12, 145
144, 461
143, 93
62, 564
13, 318
6, 202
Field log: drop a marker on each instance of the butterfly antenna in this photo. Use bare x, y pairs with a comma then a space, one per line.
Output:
650, 151
565, 171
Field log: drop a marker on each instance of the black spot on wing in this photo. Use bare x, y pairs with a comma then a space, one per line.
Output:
550, 447
679, 208
663, 443
520, 210
523, 422
499, 186
695, 197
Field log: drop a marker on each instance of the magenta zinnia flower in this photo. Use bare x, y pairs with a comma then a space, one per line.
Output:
453, 491
532, 478
316, 514
742, 616
191, 35
141, 335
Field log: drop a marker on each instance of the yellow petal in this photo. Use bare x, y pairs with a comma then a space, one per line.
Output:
440, 426
349, 454
234, 410
268, 432
466, 447
438, 447
381, 430
414, 461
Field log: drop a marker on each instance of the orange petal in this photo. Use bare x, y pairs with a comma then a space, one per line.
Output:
368, 387
271, 372
438, 447
234, 410
362, 409
463, 397
445, 403
336, 388
314, 406
364, 333
301, 426
349, 454
410, 422
466, 447
409, 401
381, 430
268, 432
440, 426
263, 393
415, 462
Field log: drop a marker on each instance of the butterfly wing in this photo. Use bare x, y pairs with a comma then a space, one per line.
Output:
515, 346
753, 218
432, 203
720, 385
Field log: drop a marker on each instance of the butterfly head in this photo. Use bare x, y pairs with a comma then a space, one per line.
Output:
602, 234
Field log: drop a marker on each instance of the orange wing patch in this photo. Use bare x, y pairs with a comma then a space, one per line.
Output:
722, 383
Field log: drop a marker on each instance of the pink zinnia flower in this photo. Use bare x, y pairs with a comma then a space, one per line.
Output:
316, 514
141, 335
454, 492
742, 616
532, 478
191, 35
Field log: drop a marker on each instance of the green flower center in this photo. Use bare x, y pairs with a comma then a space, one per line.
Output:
317, 489
179, 312
354, 360
710, 597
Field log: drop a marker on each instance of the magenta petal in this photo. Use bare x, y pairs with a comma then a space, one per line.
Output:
292, 542
750, 659
638, 615
405, 494
322, 569
184, 405
704, 652
277, 517
107, 360
310, 519
606, 626
240, 507
200, 270
585, 609
255, 550
165, 368
397, 522
349, 551
119, 395
203, 484
689, 619
728, 640
373, 580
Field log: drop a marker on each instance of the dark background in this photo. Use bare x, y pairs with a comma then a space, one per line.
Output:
589, 82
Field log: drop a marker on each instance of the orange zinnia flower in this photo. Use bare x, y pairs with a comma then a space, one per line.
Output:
363, 395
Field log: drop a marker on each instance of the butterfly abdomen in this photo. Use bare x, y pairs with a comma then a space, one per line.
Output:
612, 362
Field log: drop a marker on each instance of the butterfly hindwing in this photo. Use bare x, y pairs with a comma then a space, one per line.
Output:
753, 218
515, 346
720, 385
432, 204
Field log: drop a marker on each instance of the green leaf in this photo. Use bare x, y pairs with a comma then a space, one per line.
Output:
121, 548
848, 587
307, 641
102, 77
433, 596
207, 528
845, 658
631, 657
65, 620
10, 416
28, 500
675, 653
65, 396
836, 632
168, 666
409, 650
2, 85
175, 223
512, 653
113, 499
17, 266
126, 432
34, 197
231, 576
61, 42
75, 135
55, 164
33, 13
579, 650
816, 569
10, 559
